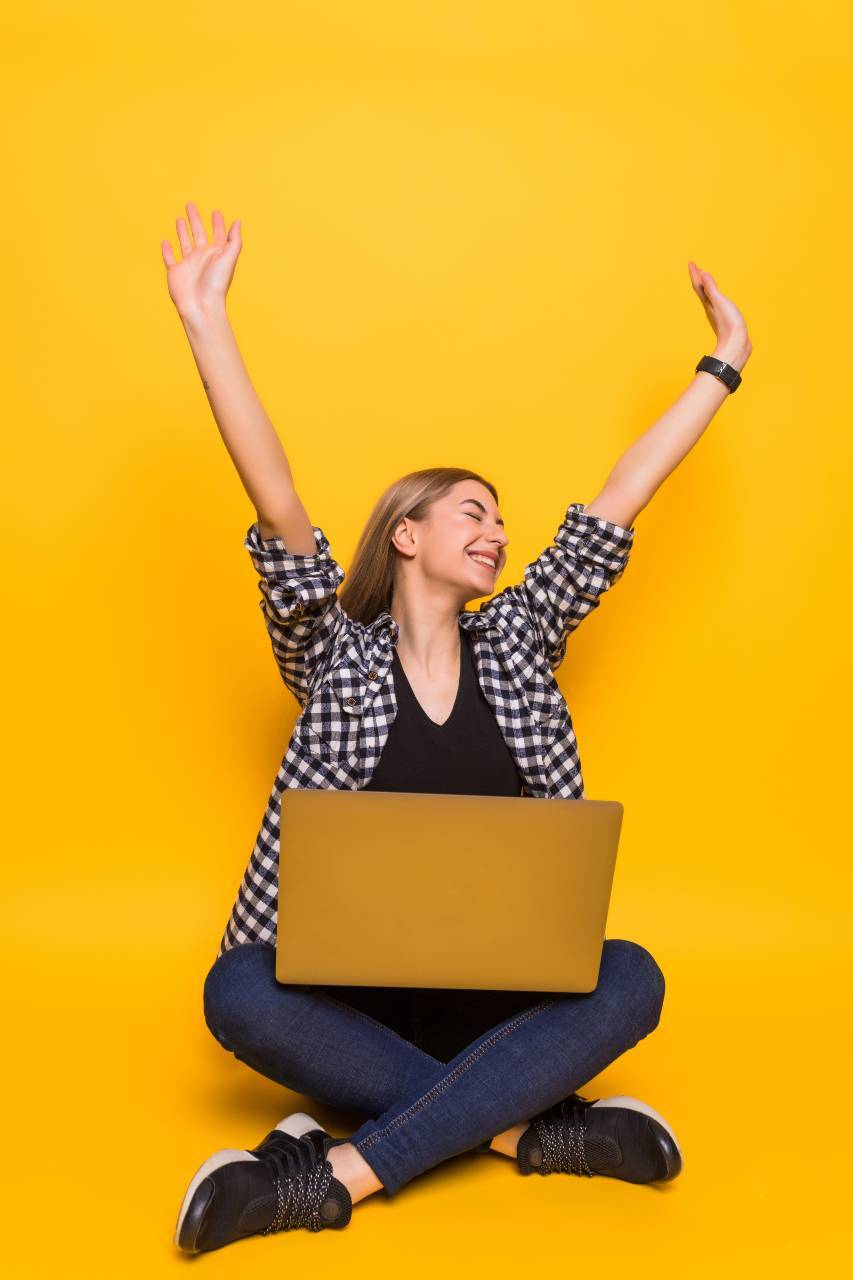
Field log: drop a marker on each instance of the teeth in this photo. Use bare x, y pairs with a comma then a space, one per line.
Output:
481, 559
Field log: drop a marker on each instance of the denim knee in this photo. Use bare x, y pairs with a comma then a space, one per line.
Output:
224, 993
647, 981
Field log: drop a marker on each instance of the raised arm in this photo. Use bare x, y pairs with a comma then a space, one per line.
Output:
297, 576
198, 285
593, 543
642, 469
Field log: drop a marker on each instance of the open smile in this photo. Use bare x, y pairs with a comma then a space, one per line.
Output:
487, 561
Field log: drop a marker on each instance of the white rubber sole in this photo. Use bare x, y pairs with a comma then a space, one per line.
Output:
297, 1124
635, 1104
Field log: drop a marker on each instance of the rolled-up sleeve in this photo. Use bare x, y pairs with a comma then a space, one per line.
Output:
299, 604
566, 582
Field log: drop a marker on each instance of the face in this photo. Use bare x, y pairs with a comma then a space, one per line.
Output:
443, 548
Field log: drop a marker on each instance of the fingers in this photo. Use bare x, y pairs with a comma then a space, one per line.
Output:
199, 233
184, 237
234, 236
168, 256
219, 234
709, 283
704, 283
199, 239
696, 279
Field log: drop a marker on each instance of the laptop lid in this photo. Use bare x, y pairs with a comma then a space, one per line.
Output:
436, 890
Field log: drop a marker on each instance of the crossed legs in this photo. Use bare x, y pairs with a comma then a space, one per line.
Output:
422, 1110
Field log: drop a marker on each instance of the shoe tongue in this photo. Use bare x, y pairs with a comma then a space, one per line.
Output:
317, 1138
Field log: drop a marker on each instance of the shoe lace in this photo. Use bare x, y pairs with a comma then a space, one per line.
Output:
301, 1181
561, 1132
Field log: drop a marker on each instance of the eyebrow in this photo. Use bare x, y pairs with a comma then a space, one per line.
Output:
478, 503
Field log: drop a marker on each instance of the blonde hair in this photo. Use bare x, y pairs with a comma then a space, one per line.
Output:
369, 582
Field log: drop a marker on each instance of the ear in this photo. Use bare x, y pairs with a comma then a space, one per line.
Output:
403, 536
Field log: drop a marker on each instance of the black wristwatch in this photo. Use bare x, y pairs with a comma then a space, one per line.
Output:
727, 373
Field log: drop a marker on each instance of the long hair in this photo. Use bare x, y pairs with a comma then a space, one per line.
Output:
368, 585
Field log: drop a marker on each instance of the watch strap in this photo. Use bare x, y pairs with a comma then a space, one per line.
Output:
727, 373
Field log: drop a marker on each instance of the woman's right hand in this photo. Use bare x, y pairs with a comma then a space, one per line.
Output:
201, 279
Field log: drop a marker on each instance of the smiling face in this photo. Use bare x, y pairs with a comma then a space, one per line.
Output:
462, 543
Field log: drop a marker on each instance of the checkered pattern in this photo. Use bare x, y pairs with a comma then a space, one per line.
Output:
339, 671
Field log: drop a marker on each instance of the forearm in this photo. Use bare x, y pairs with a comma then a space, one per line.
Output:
643, 467
248, 434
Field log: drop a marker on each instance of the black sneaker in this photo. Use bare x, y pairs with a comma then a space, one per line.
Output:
284, 1182
617, 1137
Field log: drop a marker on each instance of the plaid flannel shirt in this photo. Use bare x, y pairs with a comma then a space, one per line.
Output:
340, 673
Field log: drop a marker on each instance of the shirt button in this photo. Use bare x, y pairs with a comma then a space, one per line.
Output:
350, 701
371, 675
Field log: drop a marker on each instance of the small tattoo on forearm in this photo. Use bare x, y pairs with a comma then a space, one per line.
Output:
206, 385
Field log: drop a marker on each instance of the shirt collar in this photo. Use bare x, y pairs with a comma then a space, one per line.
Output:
384, 625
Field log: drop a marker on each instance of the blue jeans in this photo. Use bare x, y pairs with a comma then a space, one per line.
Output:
436, 1071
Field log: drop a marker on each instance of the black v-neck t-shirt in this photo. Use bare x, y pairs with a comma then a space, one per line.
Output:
467, 755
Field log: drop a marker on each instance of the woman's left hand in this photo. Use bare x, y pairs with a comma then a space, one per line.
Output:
733, 344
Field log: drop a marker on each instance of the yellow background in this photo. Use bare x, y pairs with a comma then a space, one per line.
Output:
466, 232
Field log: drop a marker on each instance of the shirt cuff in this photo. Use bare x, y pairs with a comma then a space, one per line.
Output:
293, 581
594, 539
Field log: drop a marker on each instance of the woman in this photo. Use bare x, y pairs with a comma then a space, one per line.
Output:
402, 688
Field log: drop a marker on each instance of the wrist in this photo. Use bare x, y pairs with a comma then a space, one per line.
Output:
201, 316
734, 350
